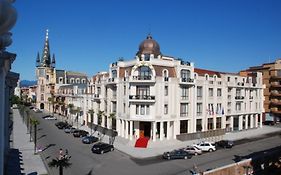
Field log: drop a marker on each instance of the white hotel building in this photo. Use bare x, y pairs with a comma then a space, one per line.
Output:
161, 97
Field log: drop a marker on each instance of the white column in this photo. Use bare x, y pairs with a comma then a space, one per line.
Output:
161, 130
251, 121
154, 131
118, 127
260, 117
256, 120
231, 123
131, 130
126, 128
168, 130
240, 121
246, 121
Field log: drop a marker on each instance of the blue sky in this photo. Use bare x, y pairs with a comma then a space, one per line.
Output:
88, 35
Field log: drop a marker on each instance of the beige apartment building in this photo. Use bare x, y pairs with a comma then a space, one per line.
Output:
272, 93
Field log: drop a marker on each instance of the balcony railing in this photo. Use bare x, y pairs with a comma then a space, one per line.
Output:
184, 114
239, 97
187, 80
275, 84
111, 80
141, 77
141, 97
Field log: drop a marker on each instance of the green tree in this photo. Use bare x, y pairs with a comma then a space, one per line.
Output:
100, 114
15, 100
60, 163
71, 111
34, 122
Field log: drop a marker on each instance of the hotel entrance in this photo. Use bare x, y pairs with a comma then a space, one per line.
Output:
145, 129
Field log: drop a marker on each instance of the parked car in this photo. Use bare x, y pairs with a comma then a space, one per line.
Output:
50, 118
225, 143
36, 110
102, 147
177, 154
89, 139
269, 122
194, 150
69, 129
80, 133
206, 146
62, 125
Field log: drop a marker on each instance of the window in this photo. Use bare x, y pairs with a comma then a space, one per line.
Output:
210, 123
60, 80
184, 93
238, 92
124, 89
77, 80
211, 92
146, 57
228, 79
124, 108
144, 73
83, 81
42, 97
199, 125
184, 109
219, 92
99, 90
199, 92
183, 126
199, 109
165, 109
114, 73
185, 73
143, 91
166, 91
114, 107
218, 122
219, 108
238, 107
142, 109
211, 109
47, 77
166, 75
42, 88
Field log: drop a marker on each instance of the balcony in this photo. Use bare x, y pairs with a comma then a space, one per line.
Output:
239, 98
275, 93
186, 81
96, 97
276, 76
141, 98
275, 84
185, 114
142, 79
275, 110
111, 80
275, 102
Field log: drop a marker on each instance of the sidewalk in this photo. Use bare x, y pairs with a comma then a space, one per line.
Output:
29, 163
157, 148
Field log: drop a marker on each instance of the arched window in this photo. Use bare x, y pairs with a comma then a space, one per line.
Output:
185, 73
144, 73
77, 80
166, 75
114, 73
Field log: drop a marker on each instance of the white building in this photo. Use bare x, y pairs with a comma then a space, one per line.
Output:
161, 97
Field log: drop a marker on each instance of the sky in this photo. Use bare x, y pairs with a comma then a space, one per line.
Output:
88, 35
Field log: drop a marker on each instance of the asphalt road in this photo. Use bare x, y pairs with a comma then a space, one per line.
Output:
85, 162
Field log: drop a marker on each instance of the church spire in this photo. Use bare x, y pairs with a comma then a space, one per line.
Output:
53, 64
46, 58
38, 60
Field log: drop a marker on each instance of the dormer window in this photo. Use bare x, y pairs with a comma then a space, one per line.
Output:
144, 73
146, 57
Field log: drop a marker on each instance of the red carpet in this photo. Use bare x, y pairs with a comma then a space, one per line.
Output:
142, 142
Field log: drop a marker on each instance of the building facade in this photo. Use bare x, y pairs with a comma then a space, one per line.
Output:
49, 79
8, 79
161, 97
272, 93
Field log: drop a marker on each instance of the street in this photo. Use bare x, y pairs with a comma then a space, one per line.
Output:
85, 162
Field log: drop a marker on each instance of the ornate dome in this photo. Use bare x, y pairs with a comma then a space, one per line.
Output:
149, 46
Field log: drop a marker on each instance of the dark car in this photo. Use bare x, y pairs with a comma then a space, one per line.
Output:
101, 148
269, 122
225, 143
80, 133
177, 154
62, 125
89, 139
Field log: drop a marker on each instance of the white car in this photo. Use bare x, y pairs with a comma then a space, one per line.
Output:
194, 150
206, 146
50, 118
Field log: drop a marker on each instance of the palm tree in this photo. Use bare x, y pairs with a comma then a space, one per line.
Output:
60, 163
91, 112
71, 108
100, 114
34, 122
112, 116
